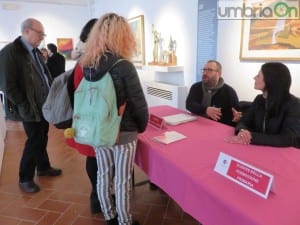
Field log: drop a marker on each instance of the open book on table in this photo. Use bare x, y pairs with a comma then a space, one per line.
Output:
169, 137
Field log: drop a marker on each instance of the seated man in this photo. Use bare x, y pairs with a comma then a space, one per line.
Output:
212, 98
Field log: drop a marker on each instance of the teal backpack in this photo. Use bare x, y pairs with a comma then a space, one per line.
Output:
96, 120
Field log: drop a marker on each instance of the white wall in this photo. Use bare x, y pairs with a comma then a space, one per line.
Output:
171, 17
59, 21
179, 18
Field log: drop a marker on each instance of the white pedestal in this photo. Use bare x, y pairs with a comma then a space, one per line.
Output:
164, 69
166, 74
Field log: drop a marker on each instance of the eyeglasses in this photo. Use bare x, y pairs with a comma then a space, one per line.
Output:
41, 33
208, 70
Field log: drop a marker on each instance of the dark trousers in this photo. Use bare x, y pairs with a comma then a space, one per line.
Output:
91, 169
35, 154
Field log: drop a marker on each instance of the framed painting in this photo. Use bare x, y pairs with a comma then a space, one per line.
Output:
65, 46
137, 24
277, 38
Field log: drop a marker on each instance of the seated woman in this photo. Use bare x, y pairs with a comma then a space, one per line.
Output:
274, 117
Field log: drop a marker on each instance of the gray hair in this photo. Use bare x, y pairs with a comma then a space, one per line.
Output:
27, 24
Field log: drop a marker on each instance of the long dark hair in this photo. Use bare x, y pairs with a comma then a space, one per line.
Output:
86, 29
278, 80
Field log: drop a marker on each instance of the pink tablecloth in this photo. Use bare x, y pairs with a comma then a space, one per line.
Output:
185, 170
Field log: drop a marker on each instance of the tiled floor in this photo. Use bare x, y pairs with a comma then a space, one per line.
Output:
64, 200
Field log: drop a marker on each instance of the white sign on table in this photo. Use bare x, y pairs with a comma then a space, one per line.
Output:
249, 177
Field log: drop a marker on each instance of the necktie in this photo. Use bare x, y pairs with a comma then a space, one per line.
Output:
40, 66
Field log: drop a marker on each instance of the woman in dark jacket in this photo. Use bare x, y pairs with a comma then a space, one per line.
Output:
88, 151
111, 38
274, 117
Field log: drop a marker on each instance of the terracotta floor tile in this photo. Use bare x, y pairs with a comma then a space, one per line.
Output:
70, 197
89, 221
26, 223
6, 199
70, 215
49, 218
37, 199
23, 213
9, 220
157, 213
64, 200
173, 210
55, 206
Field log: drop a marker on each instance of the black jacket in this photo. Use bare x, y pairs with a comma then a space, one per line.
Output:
225, 98
56, 64
20, 80
281, 130
127, 87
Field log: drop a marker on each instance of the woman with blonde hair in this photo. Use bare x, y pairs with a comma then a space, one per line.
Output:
111, 39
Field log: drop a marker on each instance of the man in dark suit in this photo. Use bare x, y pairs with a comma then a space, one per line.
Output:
56, 61
25, 79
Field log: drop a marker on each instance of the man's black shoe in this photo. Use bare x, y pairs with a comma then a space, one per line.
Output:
29, 187
51, 172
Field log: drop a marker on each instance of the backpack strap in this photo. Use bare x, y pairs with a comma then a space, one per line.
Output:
122, 107
115, 63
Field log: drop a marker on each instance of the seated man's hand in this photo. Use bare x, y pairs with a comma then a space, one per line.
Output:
236, 115
214, 113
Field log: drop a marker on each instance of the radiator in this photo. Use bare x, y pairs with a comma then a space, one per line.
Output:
158, 93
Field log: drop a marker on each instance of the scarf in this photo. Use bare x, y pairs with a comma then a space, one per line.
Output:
209, 92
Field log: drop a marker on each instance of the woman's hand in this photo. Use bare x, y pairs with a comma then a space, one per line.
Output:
243, 137
236, 115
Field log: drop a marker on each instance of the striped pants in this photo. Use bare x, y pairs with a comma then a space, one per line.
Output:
115, 165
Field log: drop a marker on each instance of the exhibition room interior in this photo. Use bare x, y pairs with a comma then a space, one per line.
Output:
197, 34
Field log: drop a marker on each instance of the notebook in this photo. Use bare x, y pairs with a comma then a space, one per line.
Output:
169, 137
179, 118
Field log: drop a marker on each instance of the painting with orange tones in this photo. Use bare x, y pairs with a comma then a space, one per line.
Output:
268, 39
65, 46
274, 34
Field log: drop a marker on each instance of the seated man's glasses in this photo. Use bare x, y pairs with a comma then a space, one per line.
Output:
209, 70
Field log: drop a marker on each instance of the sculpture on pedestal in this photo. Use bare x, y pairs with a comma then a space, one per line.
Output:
156, 38
163, 56
172, 51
